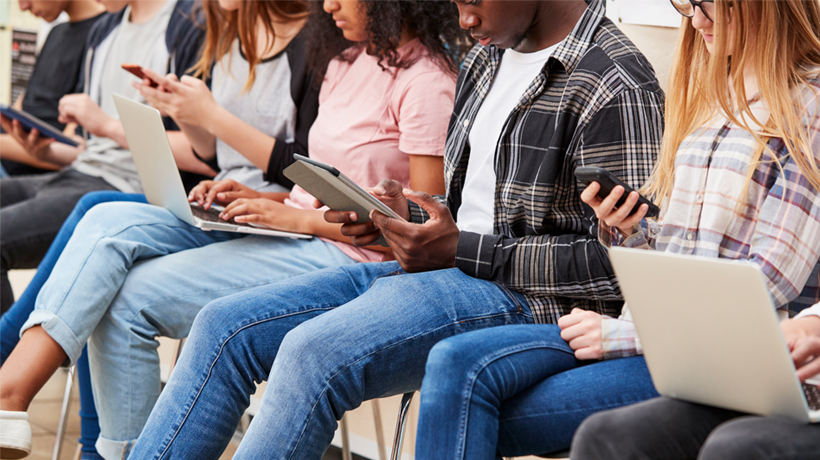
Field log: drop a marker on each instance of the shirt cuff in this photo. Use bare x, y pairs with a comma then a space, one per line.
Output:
814, 310
474, 254
619, 338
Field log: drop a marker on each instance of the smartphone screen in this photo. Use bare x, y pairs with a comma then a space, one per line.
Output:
137, 71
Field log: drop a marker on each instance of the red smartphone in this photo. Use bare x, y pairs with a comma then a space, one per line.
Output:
137, 70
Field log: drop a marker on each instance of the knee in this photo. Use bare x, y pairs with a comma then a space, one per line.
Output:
304, 350
95, 218
448, 361
215, 317
731, 441
91, 199
604, 435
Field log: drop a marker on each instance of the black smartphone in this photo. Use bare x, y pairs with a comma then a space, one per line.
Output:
608, 181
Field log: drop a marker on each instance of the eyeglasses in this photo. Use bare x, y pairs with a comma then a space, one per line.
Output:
687, 8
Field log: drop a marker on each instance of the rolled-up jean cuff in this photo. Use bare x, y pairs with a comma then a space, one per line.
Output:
58, 330
114, 450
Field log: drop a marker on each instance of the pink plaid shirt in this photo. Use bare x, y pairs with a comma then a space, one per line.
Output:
779, 229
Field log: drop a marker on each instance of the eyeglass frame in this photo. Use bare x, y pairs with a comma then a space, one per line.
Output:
695, 4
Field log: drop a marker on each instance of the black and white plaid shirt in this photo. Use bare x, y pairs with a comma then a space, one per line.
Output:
596, 102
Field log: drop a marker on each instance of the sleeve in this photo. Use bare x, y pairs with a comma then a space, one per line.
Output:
213, 162
642, 236
305, 94
814, 310
786, 240
619, 337
624, 136
424, 107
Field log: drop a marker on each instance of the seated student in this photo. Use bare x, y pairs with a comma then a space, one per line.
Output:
292, 128
32, 208
120, 300
736, 178
62, 54
535, 98
672, 429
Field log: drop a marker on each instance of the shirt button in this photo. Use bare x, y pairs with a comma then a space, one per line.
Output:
697, 197
466, 123
689, 236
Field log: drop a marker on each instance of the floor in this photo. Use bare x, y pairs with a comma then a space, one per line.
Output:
44, 415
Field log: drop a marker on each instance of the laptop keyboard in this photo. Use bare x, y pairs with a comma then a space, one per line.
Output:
812, 393
210, 215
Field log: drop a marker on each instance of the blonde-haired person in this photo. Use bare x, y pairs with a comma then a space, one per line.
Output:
737, 179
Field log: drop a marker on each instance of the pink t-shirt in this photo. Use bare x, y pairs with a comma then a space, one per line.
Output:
369, 121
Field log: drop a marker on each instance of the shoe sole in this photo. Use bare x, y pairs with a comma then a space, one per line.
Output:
12, 453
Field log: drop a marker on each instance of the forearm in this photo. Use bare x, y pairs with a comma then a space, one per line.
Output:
275, 196
253, 144
61, 154
114, 131
315, 224
184, 156
201, 141
10, 149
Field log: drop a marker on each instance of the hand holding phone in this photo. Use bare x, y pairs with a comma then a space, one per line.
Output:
608, 181
139, 73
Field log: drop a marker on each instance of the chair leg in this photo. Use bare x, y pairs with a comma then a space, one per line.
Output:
398, 437
245, 423
78, 452
346, 455
377, 421
66, 406
177, 352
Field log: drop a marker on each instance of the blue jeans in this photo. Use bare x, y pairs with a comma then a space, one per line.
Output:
515, 391
133, 272
325, 342
12, 321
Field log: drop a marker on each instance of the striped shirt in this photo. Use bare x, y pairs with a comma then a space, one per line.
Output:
595, 102
778, 227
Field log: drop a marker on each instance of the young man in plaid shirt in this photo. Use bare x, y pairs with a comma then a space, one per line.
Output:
552, 85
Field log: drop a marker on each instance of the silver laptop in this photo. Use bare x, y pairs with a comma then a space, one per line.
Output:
160, 178
711, 335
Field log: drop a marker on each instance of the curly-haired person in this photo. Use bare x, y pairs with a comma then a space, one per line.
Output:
552, 85
132, 271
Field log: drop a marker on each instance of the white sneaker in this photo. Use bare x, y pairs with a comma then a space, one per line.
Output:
15, 434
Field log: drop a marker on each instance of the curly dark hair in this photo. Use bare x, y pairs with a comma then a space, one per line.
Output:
434, 22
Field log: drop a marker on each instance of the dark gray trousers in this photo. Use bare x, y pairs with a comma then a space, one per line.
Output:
670, 429
32, 210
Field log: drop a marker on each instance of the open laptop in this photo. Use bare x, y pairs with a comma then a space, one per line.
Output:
159, 175
711, 335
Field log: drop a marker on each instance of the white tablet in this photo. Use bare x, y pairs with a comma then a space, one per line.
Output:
335, 190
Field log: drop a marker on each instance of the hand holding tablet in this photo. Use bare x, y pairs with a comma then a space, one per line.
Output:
335, 190
30, 122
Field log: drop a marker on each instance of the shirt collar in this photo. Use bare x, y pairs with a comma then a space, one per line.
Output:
573, 48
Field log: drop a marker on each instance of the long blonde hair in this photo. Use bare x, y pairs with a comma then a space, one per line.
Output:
223, 27
780, 41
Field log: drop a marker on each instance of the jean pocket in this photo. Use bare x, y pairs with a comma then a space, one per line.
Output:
518, 300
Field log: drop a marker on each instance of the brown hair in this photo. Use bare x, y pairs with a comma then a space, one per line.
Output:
223, 27
779, 42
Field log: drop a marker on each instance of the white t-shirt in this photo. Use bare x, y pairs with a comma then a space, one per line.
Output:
515, 74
